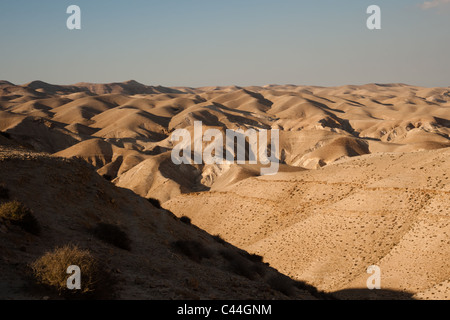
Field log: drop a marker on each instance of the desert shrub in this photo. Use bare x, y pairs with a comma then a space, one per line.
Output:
185, 220
155, 203
282, 284
113, 235
314, 291
4, 193
254, 257
107, 177
219, 239
17, 214
171, 214
260, 268
5, 134
194, 250
242, 266
50, 270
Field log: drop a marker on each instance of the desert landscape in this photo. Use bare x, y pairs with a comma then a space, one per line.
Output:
363, 180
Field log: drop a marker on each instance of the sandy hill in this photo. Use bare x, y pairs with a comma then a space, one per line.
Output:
68, 198
318, 125
353, 132
327, 226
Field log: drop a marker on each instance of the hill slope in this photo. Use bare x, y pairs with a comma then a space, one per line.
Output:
133, 122
328, 226
68, 199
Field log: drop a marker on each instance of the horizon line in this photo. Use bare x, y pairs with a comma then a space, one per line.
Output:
381, 84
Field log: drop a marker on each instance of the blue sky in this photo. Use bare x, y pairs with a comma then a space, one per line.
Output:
241, 42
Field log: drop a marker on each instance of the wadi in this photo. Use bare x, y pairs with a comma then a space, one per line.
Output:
251, 146
362, 180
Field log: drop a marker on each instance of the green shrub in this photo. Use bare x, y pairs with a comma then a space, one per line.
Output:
17, 214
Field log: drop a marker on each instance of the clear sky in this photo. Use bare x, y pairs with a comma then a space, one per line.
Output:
210, 42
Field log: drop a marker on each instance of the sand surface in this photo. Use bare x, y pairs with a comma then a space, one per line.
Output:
363, 177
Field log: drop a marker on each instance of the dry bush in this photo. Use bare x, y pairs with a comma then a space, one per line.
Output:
314, 291
5, 134
4, 193
112, 234
241, 265
18, 214
155, 203
50, 270
219, 239
107, 177
186, 220
287, 286
192, 249
282, 284
254, 257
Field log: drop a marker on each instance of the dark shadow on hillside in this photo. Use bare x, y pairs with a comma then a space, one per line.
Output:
366, 294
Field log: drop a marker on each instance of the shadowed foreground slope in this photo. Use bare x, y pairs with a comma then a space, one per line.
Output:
167, 259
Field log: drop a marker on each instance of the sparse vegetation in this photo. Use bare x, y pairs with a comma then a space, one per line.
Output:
186, 220
107, 177
18, 214
194, 250
313, 291
50, 270
255, 258
171, 215
5, 134
113, 235
282, 284
239, 265
219, 239
4, 193
155, 203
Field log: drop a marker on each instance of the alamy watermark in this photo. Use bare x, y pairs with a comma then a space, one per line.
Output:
252, 147
74, 20
374, 281
74, 281
374, 21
